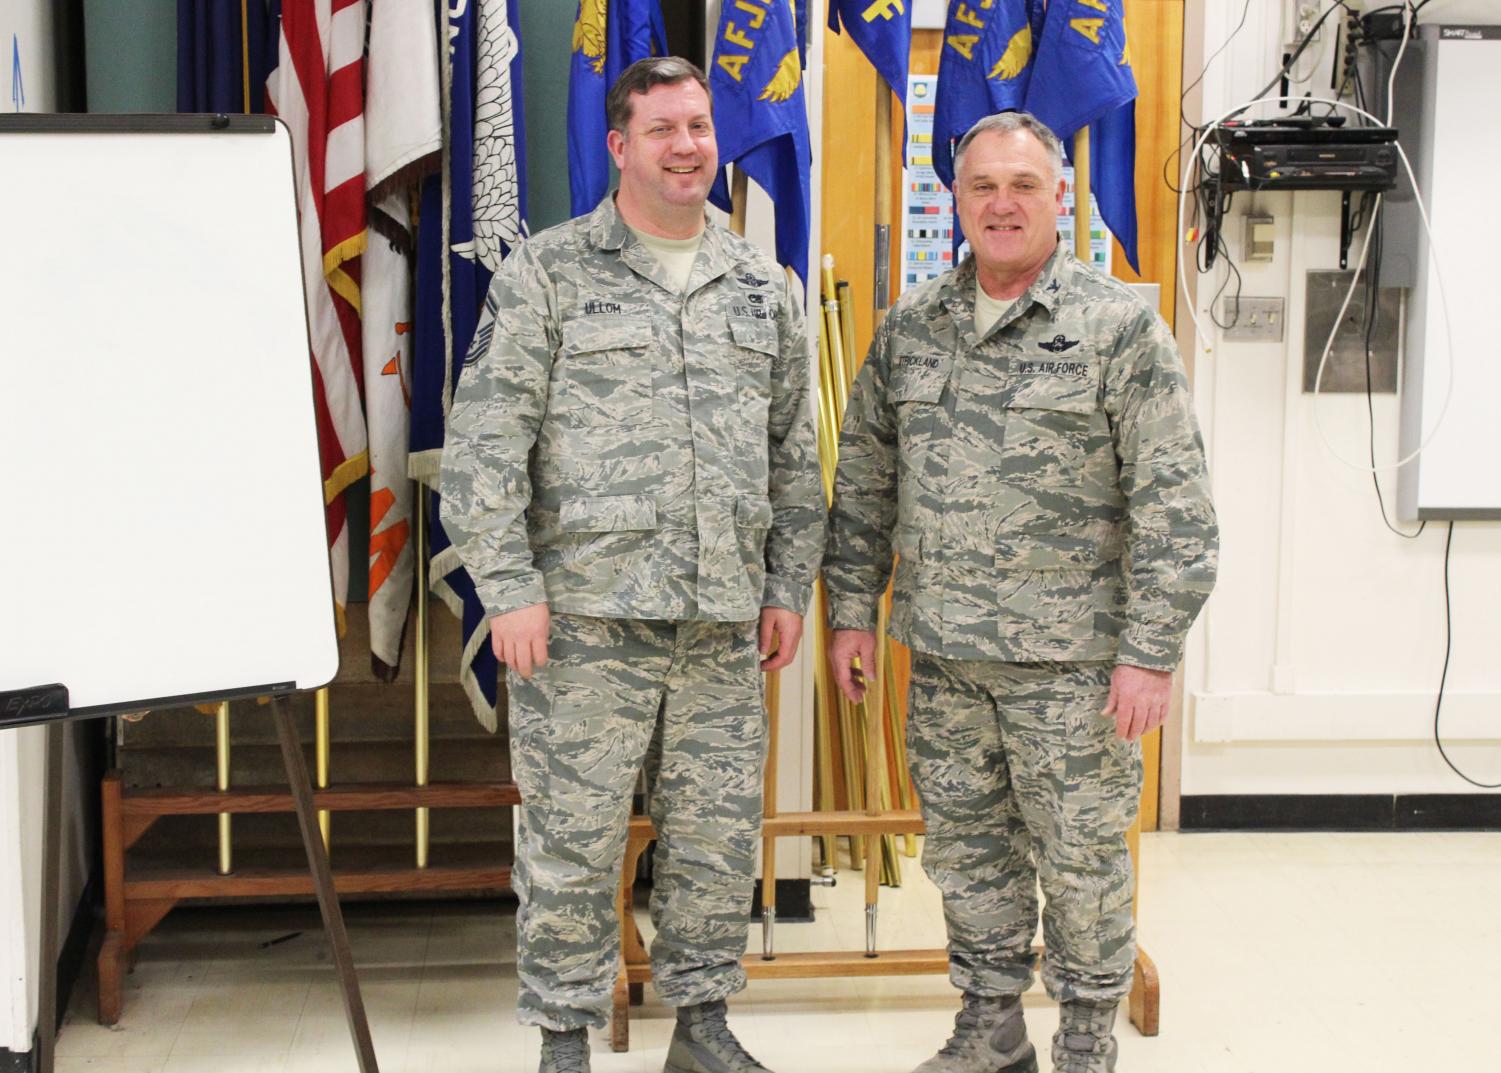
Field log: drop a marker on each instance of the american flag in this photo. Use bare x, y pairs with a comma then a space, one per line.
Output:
317, 88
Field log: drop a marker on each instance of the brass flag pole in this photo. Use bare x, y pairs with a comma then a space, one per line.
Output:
221, 756
875, 704
422, 721
321, 748
221, 716
1083, 219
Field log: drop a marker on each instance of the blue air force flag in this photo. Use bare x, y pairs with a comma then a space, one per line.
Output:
1083, 77
984, 68
760, 118
883, 31
608, 36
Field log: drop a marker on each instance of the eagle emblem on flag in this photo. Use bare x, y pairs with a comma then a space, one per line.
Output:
589, 32
1014, 60
784, 83
497, 187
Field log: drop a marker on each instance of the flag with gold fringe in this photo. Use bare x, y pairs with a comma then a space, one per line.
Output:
317, 89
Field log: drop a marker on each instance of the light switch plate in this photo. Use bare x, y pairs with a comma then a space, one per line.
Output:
1252, 320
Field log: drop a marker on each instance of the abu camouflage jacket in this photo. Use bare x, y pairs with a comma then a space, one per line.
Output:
620, 449
1044, 488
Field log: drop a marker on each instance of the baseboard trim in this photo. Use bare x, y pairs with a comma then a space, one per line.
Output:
1340, 812
18, 1061
73, 957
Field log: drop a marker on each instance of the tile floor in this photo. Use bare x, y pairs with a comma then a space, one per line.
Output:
1311, 953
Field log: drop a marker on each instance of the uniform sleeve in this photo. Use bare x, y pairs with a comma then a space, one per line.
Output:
497, 411
1172, 538
794, 546
857, 565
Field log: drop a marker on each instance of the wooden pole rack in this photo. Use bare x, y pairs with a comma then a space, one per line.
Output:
135, 901
635, 964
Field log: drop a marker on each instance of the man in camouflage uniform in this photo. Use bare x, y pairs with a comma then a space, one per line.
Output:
631, 477
1021, 437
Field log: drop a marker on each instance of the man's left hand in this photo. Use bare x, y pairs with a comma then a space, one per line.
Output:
1138, 700
781, 630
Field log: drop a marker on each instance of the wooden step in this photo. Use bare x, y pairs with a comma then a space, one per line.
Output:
472, 868
369, 797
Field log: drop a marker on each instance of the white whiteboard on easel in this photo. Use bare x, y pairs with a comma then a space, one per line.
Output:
1451, 406
163, 539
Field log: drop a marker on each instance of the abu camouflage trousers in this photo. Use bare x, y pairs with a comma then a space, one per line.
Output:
1022, 779
684, 700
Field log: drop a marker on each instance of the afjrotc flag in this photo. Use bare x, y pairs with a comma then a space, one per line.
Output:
317, 88
1083, 78
760, 119
984, 68
882, 29
403, 139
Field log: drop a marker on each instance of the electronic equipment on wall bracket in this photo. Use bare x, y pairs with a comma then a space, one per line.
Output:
1302, 152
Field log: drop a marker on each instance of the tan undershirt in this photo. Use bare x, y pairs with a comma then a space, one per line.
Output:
988, 310
676, 255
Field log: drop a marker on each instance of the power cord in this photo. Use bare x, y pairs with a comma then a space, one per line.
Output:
1438, 705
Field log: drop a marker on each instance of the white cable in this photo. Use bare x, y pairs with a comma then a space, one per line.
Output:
1408, 14
1433, 254
1313, 67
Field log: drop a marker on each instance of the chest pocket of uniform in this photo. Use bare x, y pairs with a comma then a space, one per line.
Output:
603, 376
755, 349
917, 382
1050, 416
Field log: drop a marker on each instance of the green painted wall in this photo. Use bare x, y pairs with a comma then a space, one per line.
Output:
131, 55
546, 42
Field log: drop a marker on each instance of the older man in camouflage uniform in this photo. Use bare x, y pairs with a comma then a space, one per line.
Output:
631, 477
1021, 436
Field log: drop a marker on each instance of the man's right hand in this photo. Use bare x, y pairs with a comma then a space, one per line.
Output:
847, 647
519, 638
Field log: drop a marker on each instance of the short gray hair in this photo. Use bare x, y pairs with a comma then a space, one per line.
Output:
645, 75
1009, 123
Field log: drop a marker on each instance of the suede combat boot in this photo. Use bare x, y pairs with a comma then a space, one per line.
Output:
989, 1037
703, 1043
565, 1052
1084, 1042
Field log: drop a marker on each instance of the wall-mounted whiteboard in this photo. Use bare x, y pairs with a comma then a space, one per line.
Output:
162, 537
1458, 475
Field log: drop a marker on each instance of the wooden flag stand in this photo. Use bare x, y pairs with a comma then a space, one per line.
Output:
873, 822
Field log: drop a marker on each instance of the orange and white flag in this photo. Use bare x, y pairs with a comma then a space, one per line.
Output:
403, 143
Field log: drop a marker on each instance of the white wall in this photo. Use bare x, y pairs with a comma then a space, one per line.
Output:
1315, 666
